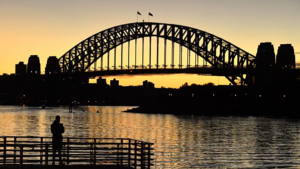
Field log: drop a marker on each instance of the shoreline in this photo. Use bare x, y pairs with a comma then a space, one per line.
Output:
270, 111
201, 110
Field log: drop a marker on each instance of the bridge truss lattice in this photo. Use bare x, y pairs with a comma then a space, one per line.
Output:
218, 52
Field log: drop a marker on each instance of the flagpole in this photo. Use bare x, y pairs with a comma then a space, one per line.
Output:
137, 16
150, 15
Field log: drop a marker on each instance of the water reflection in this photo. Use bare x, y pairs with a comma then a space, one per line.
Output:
180, 141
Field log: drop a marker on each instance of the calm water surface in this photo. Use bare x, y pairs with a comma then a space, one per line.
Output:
180, 141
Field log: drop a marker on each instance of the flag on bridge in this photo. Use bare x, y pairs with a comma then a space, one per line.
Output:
150, 14
139, 13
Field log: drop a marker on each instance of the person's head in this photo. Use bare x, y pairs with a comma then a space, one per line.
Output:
57, 118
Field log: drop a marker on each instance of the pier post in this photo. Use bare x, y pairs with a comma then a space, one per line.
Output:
142, 155
135, 154
68, 149
4, 150
15, 147
21, 156
118, 154
46, 155
95, 156
122, 152
41, 150
149, 153
91, 154
129, 152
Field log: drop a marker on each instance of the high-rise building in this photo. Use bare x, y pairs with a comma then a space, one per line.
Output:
148, 85
101, 82
285, 57
265, 56
114, 83
20, 68
52, 66
265, 62
34, 67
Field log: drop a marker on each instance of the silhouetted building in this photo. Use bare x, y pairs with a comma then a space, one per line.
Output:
20, 68
265, 64
114, 83
265, 56
34, 67
52, 66
148, 85
101, 82
285, 57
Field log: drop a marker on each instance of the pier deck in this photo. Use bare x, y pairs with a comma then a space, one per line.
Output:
88, 153
64, 167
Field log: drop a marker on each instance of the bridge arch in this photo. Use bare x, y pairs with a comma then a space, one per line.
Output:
215, 50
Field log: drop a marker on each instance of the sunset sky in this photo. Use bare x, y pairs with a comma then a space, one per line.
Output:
52, 27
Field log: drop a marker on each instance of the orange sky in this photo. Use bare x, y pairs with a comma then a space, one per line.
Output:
51, 28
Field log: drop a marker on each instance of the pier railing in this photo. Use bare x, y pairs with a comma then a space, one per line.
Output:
16, 150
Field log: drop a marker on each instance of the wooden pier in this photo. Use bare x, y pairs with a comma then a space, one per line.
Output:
110, 153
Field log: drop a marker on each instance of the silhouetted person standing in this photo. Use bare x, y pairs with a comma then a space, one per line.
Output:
57, 129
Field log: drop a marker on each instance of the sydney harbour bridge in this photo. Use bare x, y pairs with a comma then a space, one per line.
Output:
170, 48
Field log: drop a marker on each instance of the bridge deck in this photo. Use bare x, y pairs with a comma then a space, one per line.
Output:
200, 71
203, 71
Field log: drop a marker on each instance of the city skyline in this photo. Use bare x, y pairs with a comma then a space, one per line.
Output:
149, 84
51, 28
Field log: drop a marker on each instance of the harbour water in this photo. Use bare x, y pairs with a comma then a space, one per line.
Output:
179, 141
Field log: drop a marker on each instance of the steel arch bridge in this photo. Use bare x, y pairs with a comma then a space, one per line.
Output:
219, 53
